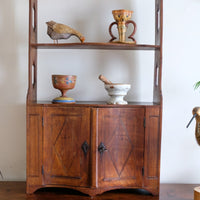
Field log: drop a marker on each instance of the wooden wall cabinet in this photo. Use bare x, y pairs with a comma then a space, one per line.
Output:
91, 146
93, 149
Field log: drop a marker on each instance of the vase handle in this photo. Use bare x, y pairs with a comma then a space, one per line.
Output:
134, 30
110, 31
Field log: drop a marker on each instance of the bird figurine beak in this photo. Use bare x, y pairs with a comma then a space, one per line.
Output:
82, 39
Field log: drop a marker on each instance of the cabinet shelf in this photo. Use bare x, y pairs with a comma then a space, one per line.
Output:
93, 45
94, 104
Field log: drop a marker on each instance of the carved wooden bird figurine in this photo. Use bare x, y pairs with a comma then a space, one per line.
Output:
58, 31
196, 114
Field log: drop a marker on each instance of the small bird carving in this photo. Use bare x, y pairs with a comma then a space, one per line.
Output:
196, 114
58, 31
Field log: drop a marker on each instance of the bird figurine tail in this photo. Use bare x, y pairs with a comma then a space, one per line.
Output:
57, 31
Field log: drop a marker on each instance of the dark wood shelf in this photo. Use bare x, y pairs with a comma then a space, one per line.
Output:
93, 104
92, 45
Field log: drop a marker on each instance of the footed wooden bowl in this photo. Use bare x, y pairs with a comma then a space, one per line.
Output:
63, 83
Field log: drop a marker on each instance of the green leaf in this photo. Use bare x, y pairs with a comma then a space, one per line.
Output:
197, 85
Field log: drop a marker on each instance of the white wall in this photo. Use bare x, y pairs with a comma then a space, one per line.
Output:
13, 85
181, 68
179, 161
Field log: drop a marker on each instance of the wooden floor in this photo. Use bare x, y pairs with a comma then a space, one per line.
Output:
16, 191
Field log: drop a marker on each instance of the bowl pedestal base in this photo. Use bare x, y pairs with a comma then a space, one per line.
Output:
117, 100
63, 100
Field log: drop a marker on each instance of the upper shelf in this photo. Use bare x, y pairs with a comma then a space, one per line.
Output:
92, 45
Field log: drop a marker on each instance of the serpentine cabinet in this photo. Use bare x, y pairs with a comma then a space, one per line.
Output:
91, 146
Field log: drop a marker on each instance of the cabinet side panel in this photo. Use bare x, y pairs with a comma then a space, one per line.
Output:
33, 144
34, 148
32, 66
152, 150
157, 94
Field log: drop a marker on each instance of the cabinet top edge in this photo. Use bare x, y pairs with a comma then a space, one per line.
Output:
93, 104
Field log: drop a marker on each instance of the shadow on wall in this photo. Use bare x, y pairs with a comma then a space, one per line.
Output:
13, 84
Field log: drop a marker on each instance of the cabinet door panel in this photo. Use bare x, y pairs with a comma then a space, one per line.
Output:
121, 130
65, 132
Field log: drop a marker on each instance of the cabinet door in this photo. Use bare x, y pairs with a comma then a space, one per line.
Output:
120, 161
66, 146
